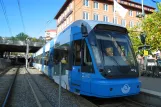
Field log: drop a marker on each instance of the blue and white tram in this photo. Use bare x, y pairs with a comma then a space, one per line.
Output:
99, 60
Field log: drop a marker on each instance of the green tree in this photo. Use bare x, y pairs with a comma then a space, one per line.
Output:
21, 36
134, 36
34, 39
151, 24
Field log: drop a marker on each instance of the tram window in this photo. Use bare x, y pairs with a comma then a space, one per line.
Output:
64, 56
77, 52
87, 57
46, 58
87, 61
41, 61
60, 54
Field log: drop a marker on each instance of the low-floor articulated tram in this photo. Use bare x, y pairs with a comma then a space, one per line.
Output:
97, 60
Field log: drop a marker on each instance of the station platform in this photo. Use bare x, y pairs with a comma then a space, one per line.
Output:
150, 91
151, 85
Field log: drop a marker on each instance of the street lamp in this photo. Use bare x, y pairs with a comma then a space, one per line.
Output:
140, 15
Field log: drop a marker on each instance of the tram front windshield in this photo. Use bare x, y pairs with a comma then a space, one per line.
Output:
114, 49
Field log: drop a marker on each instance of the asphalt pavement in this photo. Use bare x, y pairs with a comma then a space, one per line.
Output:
150, 83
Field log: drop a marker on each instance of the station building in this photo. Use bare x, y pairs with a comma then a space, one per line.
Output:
101, 10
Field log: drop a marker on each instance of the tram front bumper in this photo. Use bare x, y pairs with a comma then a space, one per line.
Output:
115, 87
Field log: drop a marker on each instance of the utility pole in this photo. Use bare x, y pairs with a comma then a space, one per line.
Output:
144, 34
60, 70
142, 7
27, 51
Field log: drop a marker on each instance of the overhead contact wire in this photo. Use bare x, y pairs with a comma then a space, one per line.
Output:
5, 15
19, 7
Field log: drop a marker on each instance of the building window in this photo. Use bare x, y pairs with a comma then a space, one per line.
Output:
130, 4
64, 23
95, 17
85, 15
131, 24
122, 1
71, 18
95, 5
105, 7
105, 18
115, 21
137, 13
71, 6
65, 12
130, 13
138, 24
67, 20
123, 22
68, 9
86, 2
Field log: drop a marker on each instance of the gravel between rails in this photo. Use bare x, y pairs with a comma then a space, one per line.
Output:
50, 89
21, 94
5, 82
3, 71
115, 102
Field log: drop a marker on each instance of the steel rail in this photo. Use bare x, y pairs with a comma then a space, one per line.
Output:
35, 96
37, 99
10, 88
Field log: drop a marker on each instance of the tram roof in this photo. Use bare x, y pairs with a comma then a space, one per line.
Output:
92, 23
89, 23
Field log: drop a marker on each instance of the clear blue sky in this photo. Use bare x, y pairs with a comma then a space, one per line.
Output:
36, 14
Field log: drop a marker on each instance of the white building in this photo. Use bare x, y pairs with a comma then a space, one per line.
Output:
50, 34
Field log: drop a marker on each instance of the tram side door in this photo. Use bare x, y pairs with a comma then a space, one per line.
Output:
76, 70
82, 69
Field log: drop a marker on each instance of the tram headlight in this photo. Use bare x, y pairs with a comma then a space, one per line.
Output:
108, 71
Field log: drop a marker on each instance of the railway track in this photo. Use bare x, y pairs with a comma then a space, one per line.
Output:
115, 102
41, 99
3, 72
23, 91
10, 88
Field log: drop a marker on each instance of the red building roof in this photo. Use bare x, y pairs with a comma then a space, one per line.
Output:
51, 30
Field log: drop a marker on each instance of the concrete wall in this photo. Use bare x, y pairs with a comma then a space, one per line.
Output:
4, 63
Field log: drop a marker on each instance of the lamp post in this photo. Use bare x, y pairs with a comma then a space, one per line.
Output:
142, 15
143, 34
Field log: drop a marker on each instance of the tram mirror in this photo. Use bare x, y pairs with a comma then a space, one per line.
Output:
84, 30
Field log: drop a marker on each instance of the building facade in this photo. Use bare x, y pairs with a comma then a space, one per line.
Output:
101, 10
50, 34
